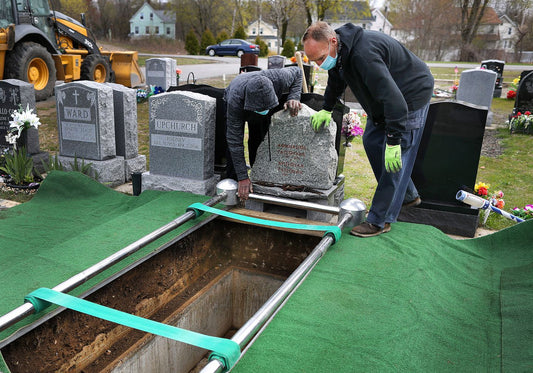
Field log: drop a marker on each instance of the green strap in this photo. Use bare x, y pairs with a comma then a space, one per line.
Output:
226, 350
333, 230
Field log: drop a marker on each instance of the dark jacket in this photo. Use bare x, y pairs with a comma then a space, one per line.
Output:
387, 79
255, 91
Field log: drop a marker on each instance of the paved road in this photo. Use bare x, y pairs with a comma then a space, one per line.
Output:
221, 66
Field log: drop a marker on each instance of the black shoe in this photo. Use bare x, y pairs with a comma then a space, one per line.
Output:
412, 203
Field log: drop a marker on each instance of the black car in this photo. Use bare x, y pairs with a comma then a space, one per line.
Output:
232, 47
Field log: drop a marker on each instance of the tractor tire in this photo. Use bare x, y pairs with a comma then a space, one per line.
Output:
95, 68
31, 62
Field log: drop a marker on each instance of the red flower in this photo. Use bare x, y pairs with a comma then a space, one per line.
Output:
527, 113
482, 191
518, 114
511, 94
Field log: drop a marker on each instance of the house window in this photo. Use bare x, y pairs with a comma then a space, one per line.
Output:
141, 16
147, 30
137, 29
157, 30
509, 31
253, 31
151, 16
269, 44
260, 31
168, 30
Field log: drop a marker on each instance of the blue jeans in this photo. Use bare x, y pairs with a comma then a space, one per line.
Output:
393, 188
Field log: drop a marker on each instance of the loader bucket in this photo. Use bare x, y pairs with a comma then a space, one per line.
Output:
127, 71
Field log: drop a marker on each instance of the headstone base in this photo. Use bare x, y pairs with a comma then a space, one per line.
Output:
167, 183
457, 220
329, 197
110, 171
137, 164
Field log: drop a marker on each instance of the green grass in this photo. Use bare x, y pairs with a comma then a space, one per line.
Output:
510, 172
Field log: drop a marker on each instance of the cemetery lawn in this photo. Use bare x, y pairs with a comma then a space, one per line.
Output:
507, 168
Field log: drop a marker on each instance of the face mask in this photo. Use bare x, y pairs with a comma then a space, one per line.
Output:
264, 112
329, 62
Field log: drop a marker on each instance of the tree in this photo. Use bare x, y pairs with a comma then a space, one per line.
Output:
263, 47
315, 10
239, 33
281, 12
73, 8
471, 14
191, 43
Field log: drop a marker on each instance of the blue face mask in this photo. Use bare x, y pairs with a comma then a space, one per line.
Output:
329, 62
264, 112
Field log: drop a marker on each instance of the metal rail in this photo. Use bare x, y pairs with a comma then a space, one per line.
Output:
259, 319
27, 309
295, 203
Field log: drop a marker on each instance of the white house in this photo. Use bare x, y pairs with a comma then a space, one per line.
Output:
381, 23
266, 31
508, 34
150, 22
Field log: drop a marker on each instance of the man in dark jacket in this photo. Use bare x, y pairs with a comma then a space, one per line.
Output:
252, 94
394, 87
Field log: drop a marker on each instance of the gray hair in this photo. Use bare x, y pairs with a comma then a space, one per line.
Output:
319, 31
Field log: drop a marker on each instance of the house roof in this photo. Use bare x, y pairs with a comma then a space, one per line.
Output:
349, 11
161, 14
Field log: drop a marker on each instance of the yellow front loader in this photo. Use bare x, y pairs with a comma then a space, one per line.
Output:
40, 46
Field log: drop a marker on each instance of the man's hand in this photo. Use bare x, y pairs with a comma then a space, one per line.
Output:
322, 118
393, 158
245, 188
293, 106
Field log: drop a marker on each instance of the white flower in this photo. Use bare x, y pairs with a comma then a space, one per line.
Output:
22, 119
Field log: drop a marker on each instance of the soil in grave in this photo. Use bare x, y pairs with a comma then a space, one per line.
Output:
74, 342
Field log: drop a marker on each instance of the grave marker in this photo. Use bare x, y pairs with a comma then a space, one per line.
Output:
161, 72
476, 86
524, 94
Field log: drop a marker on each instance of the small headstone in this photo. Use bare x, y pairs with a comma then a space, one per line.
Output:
276, 62
476, 86
126, 134
85, 116
524, 94
15, 94
161, 72
497, 66
182, 142
294, 154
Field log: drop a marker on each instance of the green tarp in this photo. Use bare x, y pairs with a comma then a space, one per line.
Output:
411, 300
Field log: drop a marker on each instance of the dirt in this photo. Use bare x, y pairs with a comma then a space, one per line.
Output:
155, 289
491, 146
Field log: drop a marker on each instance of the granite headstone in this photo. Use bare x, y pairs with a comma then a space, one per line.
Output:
126, 134
85, 116
476, 86
15, 95
524, 94
276, 62
161, 72
293, 154
496, 66
447, 161
182, 135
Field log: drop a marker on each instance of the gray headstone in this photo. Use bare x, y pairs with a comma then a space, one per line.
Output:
15, 94
295, 154
476, 86
276, 62
125, 105
182, 135
161, 72
85, 118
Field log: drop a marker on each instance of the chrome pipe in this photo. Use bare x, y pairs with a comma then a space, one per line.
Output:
265, 313
294, 203
27, 309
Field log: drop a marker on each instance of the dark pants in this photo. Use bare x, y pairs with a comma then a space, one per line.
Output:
393, 188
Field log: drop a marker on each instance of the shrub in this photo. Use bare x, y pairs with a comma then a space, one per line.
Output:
192, 46
207, 39
263, 47
288, 48
222, 36
240, 33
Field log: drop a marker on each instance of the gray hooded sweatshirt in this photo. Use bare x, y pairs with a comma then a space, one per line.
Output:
255, 91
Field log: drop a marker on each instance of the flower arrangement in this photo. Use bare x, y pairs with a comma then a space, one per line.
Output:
21, 120
178, 73
481, 189
352, 126
521, 122
511, 94
524, 213
143, 94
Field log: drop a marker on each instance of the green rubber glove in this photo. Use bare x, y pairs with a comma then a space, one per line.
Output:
322, 118
393, 158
